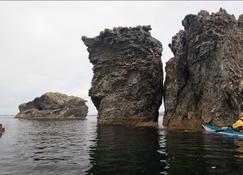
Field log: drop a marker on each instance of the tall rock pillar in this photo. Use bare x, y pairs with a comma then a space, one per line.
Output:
204, 79
128, 78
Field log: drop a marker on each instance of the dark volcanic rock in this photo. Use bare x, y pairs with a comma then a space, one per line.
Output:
1, 130
128, 77
53, 105
204, 78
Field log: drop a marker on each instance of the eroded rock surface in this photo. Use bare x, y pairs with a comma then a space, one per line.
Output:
53, 105
204, 78
128, 77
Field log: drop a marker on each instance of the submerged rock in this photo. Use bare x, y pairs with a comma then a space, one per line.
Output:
53, 105
204, 81
128, 77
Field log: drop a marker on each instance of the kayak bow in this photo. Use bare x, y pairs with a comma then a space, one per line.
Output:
227, 131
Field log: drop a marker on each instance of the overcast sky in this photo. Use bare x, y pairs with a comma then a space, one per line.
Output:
41, 49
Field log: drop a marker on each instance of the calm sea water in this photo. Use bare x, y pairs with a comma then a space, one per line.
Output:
82, 147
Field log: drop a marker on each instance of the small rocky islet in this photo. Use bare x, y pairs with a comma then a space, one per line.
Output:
54, 105
203, 82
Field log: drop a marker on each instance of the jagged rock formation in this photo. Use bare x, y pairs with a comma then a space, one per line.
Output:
53, 105
204, 78
128, 77
1, 130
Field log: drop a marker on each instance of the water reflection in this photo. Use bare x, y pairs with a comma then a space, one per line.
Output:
122, 150
222, 155
197, 152
185, 150
46, 147
239, 149
80, 147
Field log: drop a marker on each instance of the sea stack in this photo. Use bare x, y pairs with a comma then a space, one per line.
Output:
128, 76
204, 79
54, 105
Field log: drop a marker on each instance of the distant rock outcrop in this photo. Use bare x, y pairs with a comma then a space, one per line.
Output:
1, 130
128, 77
204, 79
53, 105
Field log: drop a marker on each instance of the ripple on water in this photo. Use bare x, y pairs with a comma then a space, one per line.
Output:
80, 147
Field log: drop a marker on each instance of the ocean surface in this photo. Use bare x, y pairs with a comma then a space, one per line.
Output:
82, 147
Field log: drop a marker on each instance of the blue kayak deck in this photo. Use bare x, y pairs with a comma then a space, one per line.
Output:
227, 131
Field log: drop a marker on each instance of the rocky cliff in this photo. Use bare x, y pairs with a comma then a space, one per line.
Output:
53, 105
204, 78
128, 77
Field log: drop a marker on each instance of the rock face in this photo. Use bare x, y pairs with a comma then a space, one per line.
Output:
1, 130
53, 105
204, 79
128, 77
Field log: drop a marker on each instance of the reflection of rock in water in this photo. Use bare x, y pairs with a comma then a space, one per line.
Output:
221, 152
239, 149
56, 147
185, 152
192, 152
122, 150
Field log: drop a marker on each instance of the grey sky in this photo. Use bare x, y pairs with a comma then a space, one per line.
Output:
41, 49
